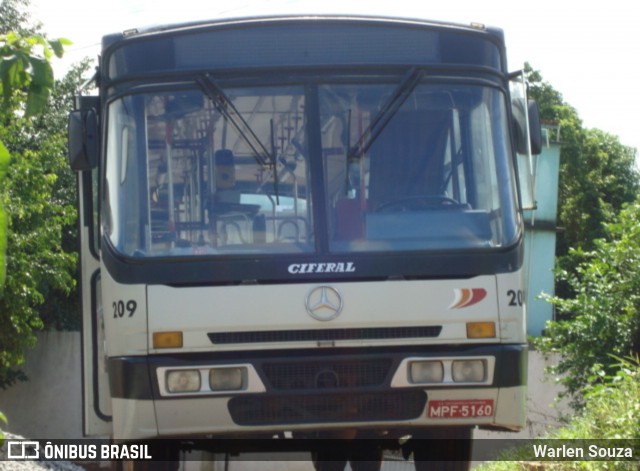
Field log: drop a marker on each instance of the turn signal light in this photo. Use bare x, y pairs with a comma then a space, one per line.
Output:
167, 340
481, 330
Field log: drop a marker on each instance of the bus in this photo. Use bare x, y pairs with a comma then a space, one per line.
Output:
307, 227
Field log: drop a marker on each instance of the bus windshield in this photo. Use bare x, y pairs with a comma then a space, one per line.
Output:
350, 165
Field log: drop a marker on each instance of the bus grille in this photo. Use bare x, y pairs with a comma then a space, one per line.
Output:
327, 408
325, 335
289, 376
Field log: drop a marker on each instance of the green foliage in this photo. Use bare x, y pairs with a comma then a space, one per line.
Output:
39, 195
4, 164
612, 404
37, 190
36, 263
25, 68
611, 412
597, 173
597, 178
598, 279
26, 79
602, 317
15, 16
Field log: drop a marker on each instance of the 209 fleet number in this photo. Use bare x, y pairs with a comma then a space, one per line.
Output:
516, 298
122, 308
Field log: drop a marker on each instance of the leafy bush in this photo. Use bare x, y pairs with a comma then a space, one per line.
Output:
35, 208
611, 412
602, 319
612, 405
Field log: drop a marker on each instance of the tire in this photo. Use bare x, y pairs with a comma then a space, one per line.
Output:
447, 449
325, 461
367, 458
360, 458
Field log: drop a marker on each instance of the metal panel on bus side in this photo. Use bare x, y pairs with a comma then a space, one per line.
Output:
512, 307
95, 381
125, 317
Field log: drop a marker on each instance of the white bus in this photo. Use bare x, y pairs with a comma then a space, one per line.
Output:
307, 227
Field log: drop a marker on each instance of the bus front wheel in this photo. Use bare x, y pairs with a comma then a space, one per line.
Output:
446, 449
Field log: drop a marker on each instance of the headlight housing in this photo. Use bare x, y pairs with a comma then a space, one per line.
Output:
228, 379
183, 381
423, 372
469, 371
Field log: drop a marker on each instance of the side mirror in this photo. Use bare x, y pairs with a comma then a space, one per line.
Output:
521, 131
535, 129
84, 139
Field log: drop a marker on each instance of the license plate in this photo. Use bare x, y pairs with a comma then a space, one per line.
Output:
460, 409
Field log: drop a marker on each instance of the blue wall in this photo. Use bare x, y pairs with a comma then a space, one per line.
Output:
540, 235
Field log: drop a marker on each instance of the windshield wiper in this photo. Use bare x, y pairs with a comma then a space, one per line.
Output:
386, 113
225, 106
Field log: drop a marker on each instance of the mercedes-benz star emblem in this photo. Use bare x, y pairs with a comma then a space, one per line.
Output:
324, 303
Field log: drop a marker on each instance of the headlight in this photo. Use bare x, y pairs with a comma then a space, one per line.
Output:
469, 371
182, 381
227, 379
426, 372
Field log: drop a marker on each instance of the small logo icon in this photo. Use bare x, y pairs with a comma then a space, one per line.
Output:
324, 303
465, 297
23, 450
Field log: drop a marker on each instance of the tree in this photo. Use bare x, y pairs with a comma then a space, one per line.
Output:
597, 177
26, 79
15, 17
31, 163
597, 173
603, 317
